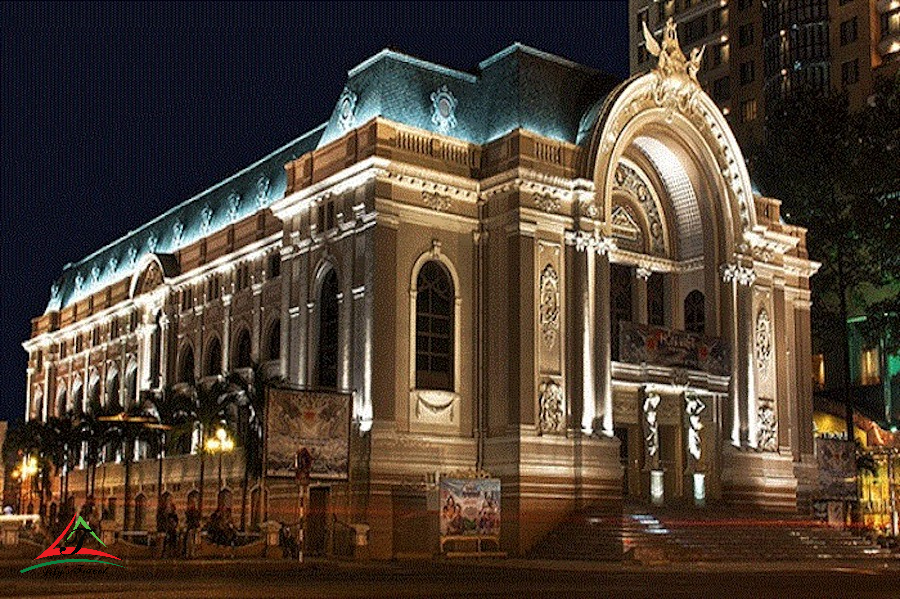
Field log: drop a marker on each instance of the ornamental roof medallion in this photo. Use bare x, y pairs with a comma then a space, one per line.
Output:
347, 109
443, 109
676, 74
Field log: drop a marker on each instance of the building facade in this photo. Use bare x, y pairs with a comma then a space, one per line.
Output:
757, 52
530, 271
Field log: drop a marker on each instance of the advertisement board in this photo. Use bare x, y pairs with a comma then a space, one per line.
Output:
837, 470
316, 420
470, 507
666, 347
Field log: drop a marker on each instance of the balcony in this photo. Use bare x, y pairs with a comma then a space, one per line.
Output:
658, 346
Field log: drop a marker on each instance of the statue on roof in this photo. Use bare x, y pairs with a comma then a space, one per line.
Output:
672, 60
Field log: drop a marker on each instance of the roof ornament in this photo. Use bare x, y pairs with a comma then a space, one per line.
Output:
347, 109
443, 109
676, 84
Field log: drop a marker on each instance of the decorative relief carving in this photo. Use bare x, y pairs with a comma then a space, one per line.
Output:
549, 307
95, 274
763, 344
131, 255
593, 241
112, 264
152, 242
552, 408
628, 181
767, 427
435, 402
177, 232
79, 282
693, 407
234, 203
436, 201
206, 218
347, 109
262, 191
734, 271
547, 203
443, 109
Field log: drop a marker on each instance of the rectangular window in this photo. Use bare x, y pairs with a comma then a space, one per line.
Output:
743, 4
187, 298
745, 35
79, 343
869, 367
747, 74
748, 110
722, 89
274, 265
621, 277
818, 371
95, 336
848, 31
133, 321
62, 349
643, 16
850, 72
114, 328
694, 30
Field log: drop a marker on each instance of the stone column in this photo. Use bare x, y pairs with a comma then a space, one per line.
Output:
164, 322
226, 332
603, 362
29, 376
589, 408
746, 380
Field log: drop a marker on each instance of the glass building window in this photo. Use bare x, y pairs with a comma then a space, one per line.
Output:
747, 72
748, 111
850, 72
870, 373
849, 31
435, 327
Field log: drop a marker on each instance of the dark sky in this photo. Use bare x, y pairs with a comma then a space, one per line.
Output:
112, 114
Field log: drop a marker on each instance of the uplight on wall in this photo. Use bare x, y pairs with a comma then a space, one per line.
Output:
656, 487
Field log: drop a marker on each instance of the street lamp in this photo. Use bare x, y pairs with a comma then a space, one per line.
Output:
220, 443
28, 469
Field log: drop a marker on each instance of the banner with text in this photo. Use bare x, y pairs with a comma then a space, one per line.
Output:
470, 507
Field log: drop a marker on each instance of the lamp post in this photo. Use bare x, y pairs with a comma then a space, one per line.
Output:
220, 443
28, 469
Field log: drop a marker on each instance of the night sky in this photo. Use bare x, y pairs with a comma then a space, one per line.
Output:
112, 114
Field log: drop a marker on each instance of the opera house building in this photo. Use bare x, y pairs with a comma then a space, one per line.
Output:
528, 272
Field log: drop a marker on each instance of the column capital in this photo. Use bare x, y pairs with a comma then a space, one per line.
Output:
735, 271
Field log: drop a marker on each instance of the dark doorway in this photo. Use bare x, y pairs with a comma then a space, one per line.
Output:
317, 526
622, 434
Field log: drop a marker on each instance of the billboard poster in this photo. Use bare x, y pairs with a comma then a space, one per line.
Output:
316, 420
470, 507
837, 469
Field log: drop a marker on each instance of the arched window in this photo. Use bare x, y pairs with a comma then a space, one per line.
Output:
61, 401
326, 370
37, 404
273, 342
131, 385
112, 388
695, 312
435, 298
213, 363
76, 400
242, 354
94, 391
186, 365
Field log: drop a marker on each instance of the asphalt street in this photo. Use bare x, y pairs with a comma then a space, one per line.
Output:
508, 578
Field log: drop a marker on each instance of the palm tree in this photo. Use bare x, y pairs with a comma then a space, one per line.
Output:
251, 401
202, 406
97, 434
61, 441
160, 406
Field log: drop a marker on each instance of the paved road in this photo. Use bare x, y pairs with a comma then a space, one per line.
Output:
513, 578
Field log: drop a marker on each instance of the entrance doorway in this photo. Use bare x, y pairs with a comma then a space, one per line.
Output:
317, 521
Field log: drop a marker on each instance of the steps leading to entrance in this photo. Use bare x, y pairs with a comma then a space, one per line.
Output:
714, 534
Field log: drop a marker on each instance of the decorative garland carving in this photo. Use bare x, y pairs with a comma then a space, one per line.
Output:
549, 307
551, 408
547, 203
436, 201
763, 344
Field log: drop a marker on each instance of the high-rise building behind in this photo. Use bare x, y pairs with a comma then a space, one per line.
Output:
760, 50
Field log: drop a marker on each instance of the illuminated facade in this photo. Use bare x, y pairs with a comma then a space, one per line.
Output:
528, 271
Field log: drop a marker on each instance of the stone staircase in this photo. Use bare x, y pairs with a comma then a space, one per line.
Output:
715, 534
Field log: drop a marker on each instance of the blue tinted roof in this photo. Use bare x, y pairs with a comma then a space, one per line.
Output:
235, 198
519, 87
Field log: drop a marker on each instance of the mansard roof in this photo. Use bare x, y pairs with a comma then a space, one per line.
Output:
227, 202
518, 87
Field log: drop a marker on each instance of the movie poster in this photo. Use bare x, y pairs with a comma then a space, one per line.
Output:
319, 421
470, 507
